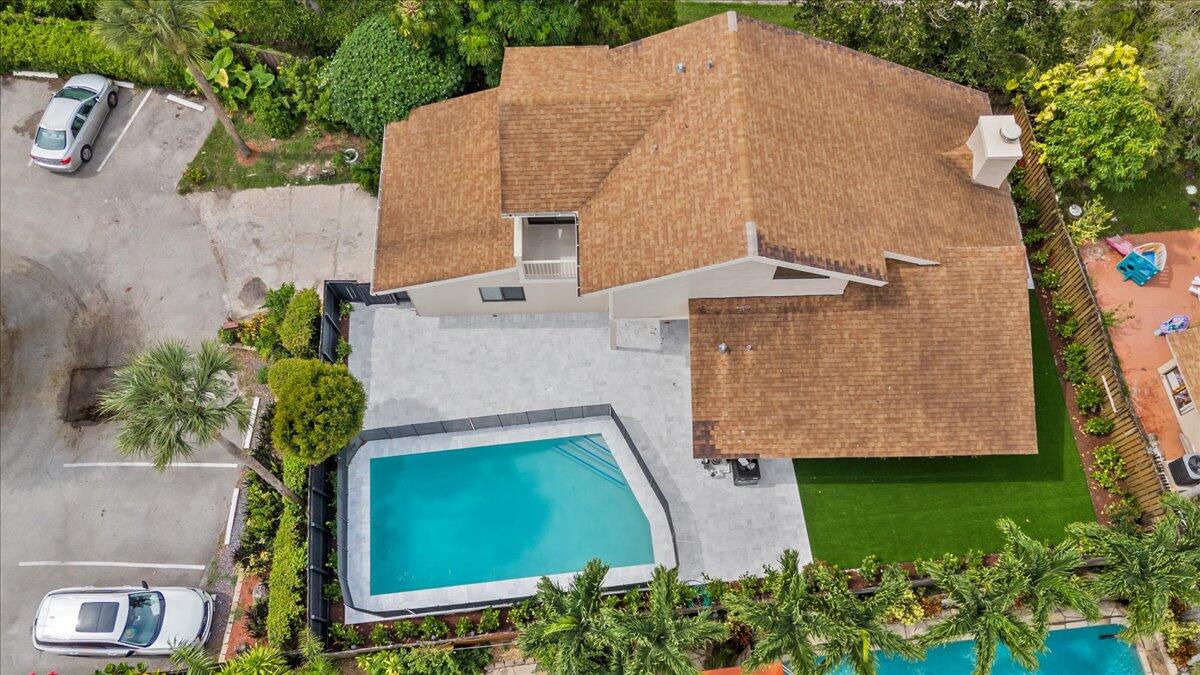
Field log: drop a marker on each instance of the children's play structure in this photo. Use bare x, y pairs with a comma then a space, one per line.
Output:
1140, 263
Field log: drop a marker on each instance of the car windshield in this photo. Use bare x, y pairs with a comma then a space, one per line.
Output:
145, 618
51, 139
75, 93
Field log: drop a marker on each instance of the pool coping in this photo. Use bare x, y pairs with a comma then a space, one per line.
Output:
354, 567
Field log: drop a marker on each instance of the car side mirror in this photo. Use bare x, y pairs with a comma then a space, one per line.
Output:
145, 585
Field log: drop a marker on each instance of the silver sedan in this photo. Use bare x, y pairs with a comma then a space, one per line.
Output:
120, 622
72, 121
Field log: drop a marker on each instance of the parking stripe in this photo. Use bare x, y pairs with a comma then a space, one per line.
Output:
97, 563
232, 513
145, 97
143, 465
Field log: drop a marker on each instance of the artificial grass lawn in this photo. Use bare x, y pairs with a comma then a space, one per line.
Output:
783, 15
904, 509
307, 157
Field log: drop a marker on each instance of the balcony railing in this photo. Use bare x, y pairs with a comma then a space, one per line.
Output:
543, 270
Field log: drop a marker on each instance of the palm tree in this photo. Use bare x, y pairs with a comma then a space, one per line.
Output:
316, 662
1047, 574
1148, 569
985, 610
568, 635
784, 627
151, 32
258, 660
854, 629
193, 660
172, 399
661, 639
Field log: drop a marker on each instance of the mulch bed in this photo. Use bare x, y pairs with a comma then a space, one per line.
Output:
239, 633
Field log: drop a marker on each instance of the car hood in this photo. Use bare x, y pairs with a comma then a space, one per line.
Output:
183, 618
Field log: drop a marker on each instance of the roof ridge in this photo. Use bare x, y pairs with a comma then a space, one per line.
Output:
741, 126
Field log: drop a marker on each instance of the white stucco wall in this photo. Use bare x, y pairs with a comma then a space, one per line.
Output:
461, 296
668, 298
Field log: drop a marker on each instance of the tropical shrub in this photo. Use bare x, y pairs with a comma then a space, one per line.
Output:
258, 660
618, 22
366, 172
256, 618
489, 620
433, 628
305, 83
263, 508
1087, 228
1098, 426
192, 178
1067, 329
1048, 278
376, 77
1075, 359
1061, 307
293, 27
342, 634
272, 113
1098, 122
1088, 396
319, 407
907, 610
1124, 514
235, 84
405, 630
1035, 235
1039, 257
63, 9
343, 349
295, 472
298, 330
425, 661
285, 606
380, 636
464, 627
66, 46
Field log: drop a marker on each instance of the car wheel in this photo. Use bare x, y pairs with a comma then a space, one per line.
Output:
85, 153
112, 99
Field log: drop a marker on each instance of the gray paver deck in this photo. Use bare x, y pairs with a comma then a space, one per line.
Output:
421, 369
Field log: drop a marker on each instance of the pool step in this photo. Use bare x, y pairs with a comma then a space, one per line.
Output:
594, 457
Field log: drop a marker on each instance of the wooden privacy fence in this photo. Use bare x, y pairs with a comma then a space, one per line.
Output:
1146, 479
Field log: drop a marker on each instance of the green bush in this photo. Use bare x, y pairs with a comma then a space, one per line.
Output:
1034, 235
285, 604
1039, 257
263, 508
273, 114
295, 472
290, 25
377, 77
489, 620
64, 9
1067, 329
305, 82
380, 636
366, 172
1062, 308
343, 350
433, 628
318, 408
1098, 426
1108, 457
464, 627
1048, 278
425, 661
405, 630
68, 47
1089, 396
1075, 359
1124, 514
192, 178
347, 636
298, 330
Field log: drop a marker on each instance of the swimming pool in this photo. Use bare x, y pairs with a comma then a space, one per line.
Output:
473, 515
1074, 651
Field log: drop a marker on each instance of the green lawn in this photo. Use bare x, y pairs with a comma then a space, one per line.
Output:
687, 12
903, 509
308, 157
1155, 204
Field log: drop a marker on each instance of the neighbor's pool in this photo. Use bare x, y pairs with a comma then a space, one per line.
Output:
1075, 651
501, 512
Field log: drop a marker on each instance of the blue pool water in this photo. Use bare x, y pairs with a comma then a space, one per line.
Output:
501, 512
1077, 651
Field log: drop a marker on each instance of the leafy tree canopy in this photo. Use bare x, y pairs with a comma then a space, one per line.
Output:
1097, 122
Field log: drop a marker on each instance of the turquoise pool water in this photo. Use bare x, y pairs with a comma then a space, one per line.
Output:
1077, 651
501, 512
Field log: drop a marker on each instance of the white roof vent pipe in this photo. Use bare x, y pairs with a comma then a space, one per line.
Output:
995, 148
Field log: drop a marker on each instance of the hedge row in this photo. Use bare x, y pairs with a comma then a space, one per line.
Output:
285, 604
69, 47
289, 25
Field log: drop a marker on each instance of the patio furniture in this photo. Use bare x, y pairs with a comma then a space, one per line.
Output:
1143, 262
745, 471
1175, 324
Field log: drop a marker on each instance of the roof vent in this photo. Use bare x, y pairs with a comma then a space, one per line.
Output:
680, 68
723, 348
995, 146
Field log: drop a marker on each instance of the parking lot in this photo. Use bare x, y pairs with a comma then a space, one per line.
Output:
93, 265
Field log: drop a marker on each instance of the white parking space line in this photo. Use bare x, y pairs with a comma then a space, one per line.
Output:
144, 465
232, 513
184, 102
145, 97
98, 563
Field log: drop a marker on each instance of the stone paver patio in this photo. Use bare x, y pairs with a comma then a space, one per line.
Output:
419, 369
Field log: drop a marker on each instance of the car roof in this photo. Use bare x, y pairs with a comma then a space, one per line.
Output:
59, 113
93, 616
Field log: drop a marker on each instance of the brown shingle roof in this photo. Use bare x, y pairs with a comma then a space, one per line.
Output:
1185, 345
439, 196
935, 363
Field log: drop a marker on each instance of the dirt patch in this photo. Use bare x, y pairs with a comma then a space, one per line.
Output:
252, 159
332, 143
253, 292
83, 397
310, 171
248, 364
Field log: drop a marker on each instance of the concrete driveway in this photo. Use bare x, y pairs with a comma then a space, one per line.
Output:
92, 266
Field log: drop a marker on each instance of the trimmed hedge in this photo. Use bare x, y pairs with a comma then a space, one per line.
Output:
289, 25
68, 47
285, 602
295, 472
377, 77
318, 408
298, 330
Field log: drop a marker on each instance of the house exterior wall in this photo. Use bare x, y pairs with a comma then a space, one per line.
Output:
461, 296
668, 298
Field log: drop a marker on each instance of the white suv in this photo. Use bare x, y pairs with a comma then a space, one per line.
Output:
120, 622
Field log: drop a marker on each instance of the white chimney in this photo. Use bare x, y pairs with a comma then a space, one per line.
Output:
995, 148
